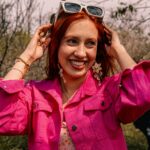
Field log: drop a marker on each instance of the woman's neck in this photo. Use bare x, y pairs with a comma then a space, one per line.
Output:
69, 87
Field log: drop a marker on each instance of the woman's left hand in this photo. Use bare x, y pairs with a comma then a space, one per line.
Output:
114, 41
117, 50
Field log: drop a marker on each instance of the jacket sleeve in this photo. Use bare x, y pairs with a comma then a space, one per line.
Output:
130, 91
15, 106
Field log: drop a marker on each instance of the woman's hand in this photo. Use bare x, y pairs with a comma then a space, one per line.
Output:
34, 50
114, 41
37, 45
117, 50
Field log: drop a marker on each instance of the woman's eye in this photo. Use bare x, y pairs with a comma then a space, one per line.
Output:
72, 42
91, 44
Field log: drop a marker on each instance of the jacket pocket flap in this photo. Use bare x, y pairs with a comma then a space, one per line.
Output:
97, 102
41, 106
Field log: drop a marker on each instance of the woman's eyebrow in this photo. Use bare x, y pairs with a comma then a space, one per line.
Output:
71, 36
92, 38
76, 37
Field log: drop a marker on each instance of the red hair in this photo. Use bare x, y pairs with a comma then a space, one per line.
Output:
58, 32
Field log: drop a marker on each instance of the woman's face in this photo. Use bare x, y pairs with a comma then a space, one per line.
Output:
77, 51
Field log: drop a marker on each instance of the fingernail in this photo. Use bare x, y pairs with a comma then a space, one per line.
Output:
42, 34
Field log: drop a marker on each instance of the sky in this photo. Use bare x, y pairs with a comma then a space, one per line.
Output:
53, 4
108, 5
50, 6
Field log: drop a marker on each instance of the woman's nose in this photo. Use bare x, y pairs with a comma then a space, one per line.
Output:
80, 51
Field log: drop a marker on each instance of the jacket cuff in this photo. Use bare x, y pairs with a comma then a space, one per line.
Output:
11, 86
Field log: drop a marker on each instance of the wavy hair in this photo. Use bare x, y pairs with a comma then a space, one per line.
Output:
57, 33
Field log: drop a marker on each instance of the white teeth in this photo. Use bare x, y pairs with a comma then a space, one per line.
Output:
78, 63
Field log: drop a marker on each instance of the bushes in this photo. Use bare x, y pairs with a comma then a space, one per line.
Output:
13, 143
135, 140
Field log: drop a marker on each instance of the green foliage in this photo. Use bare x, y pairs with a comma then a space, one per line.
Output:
13, 143
13, 48
17, 42
135, 138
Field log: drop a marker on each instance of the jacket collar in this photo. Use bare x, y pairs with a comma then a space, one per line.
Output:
51, 87
88, 88
48, 85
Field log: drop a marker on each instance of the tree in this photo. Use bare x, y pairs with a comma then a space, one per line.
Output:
20, 20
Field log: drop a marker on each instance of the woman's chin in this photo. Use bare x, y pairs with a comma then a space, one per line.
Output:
76, 74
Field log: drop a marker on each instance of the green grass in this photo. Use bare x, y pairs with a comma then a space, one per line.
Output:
135, 138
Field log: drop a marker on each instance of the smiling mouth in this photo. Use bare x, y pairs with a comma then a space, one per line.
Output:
78, 64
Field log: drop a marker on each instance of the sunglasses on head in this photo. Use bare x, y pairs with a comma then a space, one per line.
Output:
71, 7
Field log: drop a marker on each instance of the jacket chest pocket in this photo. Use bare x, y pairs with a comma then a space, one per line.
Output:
98, 102
95, 109
40, 119
41, 112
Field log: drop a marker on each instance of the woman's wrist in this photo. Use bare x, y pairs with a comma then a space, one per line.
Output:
28, 59
123, 58
18, 71
119, 49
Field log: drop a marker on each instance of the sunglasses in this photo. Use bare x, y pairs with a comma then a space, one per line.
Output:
71, 7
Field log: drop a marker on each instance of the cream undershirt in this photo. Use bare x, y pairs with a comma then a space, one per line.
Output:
65, 139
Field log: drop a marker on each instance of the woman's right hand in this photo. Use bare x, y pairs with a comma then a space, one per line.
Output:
37, 45
34, 50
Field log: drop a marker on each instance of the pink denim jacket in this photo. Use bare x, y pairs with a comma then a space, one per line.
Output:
93, 116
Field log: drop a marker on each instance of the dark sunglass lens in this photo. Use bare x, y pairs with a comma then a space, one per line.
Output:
71, 7
95, 10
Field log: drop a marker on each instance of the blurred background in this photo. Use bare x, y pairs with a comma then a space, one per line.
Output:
20, 18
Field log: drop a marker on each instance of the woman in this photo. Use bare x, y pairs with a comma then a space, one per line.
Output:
79, 106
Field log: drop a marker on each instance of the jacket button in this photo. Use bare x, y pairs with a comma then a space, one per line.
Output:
35, 105
5, 87
74, 128
103, 103
120, 85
